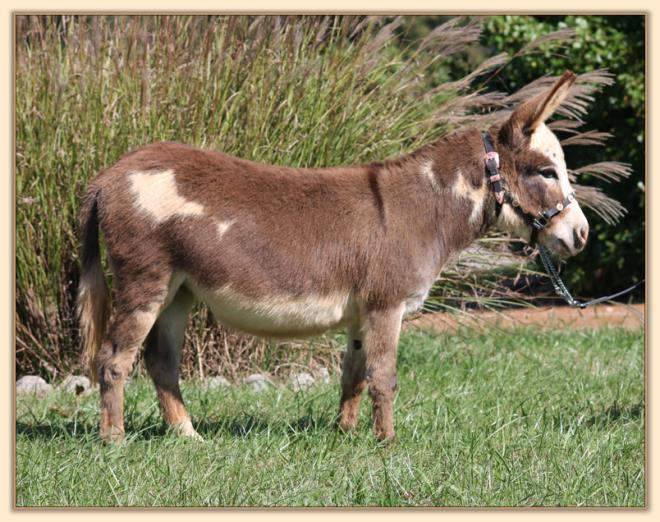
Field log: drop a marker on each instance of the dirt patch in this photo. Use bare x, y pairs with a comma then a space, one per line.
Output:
618, 315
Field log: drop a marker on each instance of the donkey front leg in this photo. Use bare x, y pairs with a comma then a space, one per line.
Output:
381, 337
353, 380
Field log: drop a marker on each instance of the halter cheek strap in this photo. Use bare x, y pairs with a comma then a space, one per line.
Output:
492, 160
538, 223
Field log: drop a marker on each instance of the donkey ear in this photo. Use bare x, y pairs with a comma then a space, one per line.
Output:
534, 112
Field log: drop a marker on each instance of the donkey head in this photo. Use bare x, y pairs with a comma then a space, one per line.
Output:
535, 175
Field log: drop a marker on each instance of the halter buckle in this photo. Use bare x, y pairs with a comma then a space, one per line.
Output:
492, 155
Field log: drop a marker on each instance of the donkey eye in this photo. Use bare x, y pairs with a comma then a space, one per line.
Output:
549, 172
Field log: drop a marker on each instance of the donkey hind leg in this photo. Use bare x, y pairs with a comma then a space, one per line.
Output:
117, 354
381, 336
163, 357
352, 380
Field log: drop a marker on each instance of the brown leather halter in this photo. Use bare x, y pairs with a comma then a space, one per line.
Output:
539, 222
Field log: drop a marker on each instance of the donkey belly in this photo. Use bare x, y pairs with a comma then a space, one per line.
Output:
277, 315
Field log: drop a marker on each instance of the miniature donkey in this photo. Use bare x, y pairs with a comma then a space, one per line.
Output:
290, 252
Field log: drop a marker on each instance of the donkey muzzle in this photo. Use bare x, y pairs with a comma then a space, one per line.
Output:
568, 233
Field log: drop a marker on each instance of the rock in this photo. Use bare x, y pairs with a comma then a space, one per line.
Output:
216, 382
324, 375
76, 384
92, 389
301, 381
32, 384
257, 381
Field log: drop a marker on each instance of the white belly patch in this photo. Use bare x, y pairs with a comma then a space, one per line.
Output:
277, 315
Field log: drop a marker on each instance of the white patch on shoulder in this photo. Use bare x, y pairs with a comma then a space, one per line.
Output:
427, 171
223, 226
462, 188
277, 315
156, 194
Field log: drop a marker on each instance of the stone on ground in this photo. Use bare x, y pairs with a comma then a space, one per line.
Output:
76, 384
301, 381
324, 375
216, 382
257, 381
32, 384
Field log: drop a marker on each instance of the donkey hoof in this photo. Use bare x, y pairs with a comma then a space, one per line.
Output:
385, 438
185, 429
114, 435
386, 441
347, 425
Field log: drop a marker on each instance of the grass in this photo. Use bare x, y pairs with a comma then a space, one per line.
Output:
524, 418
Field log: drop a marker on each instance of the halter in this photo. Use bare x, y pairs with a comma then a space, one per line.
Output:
538, 223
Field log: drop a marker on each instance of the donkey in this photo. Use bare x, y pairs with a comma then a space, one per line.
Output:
290, 252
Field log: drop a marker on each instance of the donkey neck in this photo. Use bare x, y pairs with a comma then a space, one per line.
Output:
444, 184
459, 172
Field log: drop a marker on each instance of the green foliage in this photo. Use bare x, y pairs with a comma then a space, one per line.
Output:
522, 418
614, 257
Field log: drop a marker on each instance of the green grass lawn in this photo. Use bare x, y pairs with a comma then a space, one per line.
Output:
506, 419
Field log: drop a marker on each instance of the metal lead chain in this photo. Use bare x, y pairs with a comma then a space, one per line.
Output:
562, 291
557, 283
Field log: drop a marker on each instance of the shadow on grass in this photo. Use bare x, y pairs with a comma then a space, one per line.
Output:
239, 427
615, 413
246, 425
603, 419
50, 431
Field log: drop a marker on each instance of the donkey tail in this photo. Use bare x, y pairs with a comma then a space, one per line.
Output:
93, 295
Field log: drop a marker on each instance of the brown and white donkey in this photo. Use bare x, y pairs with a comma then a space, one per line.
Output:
290, 252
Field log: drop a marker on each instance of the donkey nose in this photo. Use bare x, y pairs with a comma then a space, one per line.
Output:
580, 236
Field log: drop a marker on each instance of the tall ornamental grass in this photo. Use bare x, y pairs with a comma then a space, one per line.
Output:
307, 91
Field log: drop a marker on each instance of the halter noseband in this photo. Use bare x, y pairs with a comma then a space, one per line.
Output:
538, 223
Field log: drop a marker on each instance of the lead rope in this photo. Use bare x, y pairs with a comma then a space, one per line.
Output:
557, 283
492, 161
563, 292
